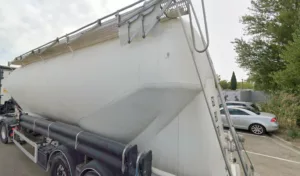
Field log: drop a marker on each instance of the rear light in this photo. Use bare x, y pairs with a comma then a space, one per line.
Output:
274, 119
12, 131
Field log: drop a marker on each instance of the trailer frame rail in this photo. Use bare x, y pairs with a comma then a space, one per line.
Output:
21, 136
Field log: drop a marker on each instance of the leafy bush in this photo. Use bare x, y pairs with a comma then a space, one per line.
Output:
293, 133
224, 84
286, 107
245, 85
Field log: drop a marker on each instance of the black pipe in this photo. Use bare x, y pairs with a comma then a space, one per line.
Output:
42, 123
28, 118
65, 129
81, 147
101, 156
97, 147
96, 141
62, 139
101, 142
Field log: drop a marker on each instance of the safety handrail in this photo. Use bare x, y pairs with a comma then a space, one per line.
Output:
232, 130
98, 21
120, 22
206, 44
227, 164
227, 116
198, 25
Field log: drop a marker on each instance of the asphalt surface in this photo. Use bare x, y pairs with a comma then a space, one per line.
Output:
270, 157
15, 163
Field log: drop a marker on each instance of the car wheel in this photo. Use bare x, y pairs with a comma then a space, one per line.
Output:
3, 131
257, 129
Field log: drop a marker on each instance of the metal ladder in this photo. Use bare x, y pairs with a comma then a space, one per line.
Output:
238, 145
165, 5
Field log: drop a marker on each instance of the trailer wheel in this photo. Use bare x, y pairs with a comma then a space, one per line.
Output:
3, 131
59, 166
95, 168
91, 173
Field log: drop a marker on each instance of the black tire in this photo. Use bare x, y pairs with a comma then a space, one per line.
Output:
3, 133
95, 168
257, 129
91, 173
59, 166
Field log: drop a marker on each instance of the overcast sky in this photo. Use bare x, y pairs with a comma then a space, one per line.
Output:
26, 24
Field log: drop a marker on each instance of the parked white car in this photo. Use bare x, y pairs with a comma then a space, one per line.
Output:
248, 105
257, 123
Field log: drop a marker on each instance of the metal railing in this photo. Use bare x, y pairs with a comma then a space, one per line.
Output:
239, 146
115, 14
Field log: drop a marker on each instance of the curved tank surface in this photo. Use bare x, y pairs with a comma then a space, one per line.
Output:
146, 92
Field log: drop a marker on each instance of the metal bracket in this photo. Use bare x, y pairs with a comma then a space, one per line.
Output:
32, 143
143, 27
123, 157
68, 44
129, 157
159, 15
143, 20
137, 173
129, 22
34, 124
76, 141
49, 128
118, 16
144, 164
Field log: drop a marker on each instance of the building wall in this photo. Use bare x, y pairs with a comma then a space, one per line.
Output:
259, 96
245, 95
231, 95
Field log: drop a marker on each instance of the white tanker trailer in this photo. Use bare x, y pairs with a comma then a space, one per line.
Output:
129, 94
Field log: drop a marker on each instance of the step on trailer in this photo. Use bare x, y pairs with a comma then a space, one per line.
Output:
133, 93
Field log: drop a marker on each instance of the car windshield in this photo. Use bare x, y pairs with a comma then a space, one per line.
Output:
255, 107
252, 110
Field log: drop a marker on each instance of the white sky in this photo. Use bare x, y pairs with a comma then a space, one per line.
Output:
26, 24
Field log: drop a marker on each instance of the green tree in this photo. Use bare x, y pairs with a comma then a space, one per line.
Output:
289, 78
245, 85
233, 82
269, 27
224, 84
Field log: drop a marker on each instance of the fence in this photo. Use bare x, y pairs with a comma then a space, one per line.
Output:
245, 95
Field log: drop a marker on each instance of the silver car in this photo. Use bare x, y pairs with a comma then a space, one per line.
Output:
257, 123
248, 105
